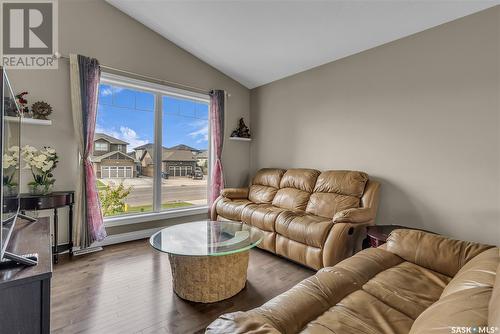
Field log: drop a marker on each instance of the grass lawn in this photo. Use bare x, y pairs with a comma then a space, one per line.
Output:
100, 185
148, 208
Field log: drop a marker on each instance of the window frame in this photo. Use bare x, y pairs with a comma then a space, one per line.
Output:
101, 143
159, 91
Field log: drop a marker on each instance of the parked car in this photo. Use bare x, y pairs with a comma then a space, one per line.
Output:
198, 174
165, 175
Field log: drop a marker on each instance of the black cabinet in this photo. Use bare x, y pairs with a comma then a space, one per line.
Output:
25, 291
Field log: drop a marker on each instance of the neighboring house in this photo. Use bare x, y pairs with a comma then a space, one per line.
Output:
182, 147
202, 160
145, 154
179, 160
110, 158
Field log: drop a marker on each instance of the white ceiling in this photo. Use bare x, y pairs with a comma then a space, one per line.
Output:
256, 42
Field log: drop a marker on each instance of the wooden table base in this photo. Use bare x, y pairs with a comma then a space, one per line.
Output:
208, 279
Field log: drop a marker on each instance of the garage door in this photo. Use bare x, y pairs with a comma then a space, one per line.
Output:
112, 172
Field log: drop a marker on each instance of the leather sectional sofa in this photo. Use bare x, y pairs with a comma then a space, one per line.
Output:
418, 283
311, 217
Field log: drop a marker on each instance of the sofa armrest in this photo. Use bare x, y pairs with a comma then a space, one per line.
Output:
432, 251
235, 193
239, 323
354, 215
344, 240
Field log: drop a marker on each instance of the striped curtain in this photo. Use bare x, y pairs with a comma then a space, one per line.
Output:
84, 75
217, 106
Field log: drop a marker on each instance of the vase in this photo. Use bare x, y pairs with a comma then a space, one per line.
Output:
40, 189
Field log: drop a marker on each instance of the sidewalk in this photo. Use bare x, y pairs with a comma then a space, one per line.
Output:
147, 182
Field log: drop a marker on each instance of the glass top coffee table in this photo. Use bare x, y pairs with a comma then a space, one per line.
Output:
209, 259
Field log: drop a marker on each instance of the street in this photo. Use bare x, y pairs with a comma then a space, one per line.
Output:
173, 190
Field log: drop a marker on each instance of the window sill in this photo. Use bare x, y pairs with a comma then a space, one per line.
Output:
153, 216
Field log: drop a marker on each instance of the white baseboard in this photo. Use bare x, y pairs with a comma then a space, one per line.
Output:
129, 236
89, 250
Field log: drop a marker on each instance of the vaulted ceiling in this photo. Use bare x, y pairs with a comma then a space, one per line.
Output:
257, 42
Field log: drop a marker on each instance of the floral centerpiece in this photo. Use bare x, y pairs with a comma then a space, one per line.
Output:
10, 165
41, 163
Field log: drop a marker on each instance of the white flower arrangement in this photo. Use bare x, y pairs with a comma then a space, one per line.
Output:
10, 164
41, 163
11, 158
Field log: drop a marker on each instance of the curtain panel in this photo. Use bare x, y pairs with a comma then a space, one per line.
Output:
217, 110
85, 74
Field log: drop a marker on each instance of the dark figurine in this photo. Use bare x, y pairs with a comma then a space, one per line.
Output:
242, 131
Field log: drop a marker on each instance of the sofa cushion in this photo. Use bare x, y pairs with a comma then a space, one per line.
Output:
265, 184
350, 183
304, 228
231, 209
300, 178
360, 312
291, 199
328, 204
262, 216
306, 255
433, 251
408, 288
295, 188
336, 191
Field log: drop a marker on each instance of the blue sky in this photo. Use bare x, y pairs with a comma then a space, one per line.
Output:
128, 115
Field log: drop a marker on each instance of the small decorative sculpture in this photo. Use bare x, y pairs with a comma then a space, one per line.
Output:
23, 103
41, 110
242, 131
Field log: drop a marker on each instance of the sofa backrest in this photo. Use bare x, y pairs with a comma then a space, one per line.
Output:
432, 251
265, 184
296, 187
335, 191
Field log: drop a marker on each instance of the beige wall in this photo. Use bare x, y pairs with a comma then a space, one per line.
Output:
420, 114
96, 29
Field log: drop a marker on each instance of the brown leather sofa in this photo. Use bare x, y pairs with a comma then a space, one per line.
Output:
311, 217
418, 283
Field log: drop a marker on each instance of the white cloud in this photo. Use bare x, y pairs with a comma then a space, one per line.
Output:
201, 131
130, 136
126, 134
110, 90
106, 92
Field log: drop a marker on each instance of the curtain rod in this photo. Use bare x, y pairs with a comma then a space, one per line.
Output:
57, 55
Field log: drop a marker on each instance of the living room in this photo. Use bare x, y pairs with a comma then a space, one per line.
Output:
250, 167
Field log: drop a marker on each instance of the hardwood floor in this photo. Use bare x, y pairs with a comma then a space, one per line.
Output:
127, 288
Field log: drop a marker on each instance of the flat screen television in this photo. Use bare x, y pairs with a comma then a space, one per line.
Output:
10, 142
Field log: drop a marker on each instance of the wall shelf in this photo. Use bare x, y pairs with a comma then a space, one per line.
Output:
26, 120
240, 139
